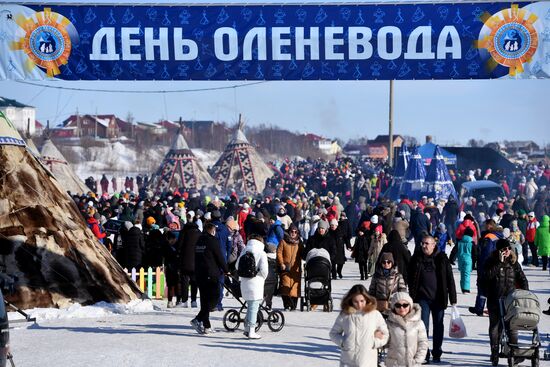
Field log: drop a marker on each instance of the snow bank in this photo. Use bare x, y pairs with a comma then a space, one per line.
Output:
77, 311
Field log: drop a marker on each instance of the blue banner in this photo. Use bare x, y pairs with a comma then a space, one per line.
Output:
276, 42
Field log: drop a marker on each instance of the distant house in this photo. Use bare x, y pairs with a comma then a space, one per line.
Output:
38, 128
355, 150
379, 147
327, 146
525, 147
19, 114
377, 150
96, 126
147, 133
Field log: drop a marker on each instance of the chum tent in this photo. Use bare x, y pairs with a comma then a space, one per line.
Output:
240, 166
415, 175
401, 164
180, 169
52, 158
427, 152
56, 257
438, 181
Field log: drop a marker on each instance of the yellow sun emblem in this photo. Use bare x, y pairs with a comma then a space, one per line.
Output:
513, 39
46, 42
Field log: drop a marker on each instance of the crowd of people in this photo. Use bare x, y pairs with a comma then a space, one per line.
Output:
201, 237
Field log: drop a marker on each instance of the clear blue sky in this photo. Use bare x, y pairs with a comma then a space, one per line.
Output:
451, 111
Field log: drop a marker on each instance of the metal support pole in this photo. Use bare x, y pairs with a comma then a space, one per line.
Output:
391, 126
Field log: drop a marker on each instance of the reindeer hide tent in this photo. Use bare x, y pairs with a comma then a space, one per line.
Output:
56, 258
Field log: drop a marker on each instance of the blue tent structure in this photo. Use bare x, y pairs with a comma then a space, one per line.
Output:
401, 164
427, 152
438, 181
415, 175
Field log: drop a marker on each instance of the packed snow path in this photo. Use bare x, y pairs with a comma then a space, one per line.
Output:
99, 337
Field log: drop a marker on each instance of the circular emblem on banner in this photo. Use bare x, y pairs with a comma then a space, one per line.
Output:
47, 42
512, 40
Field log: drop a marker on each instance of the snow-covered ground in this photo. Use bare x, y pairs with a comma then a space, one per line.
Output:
142, 335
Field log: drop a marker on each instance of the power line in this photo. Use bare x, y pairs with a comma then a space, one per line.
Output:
141, 91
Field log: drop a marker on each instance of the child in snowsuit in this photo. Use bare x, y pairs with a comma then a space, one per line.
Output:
465, 246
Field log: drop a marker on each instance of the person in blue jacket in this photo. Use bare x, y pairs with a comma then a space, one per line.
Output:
223, 235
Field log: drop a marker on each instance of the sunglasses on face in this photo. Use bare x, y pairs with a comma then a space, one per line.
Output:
507, 248
386, 261
293, 231
426, 243
401, 305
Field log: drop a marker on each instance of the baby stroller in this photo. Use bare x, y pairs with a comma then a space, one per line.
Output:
233, 318
317, 275
520, 311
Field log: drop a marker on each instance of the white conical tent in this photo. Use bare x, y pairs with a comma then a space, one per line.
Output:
240, 166
180, 168
56, 258
32, 147
52, 158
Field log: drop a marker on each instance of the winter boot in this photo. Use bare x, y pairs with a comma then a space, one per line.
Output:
246, 330
193, 304
480, 305
252, 333
170, 304
494, 356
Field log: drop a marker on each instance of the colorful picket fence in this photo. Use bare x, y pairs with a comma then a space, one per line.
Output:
151, 282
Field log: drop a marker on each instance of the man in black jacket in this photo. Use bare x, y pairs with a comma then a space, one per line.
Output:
209, 266
502, 275
432, 285
188, 238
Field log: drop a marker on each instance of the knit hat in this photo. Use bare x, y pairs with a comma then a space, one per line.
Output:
128, 225
386, 256
531, 214
374, 219
216, 214
400, 296
150, 221
506, 232
333, 222
502, 243
323, 224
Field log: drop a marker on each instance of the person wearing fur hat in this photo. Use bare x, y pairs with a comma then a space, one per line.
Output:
502, 275
377, 241
385, 281
289, 260
408, 343
359, 329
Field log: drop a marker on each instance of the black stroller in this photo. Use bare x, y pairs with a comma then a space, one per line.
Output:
521, 313
317, 290
233, 317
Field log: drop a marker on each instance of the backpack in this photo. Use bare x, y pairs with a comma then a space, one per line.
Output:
247, 266
521, 310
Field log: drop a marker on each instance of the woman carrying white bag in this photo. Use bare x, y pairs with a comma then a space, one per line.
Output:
408, 342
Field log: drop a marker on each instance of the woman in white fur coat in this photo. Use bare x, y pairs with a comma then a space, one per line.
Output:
252, 289
408, 343
359, 330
